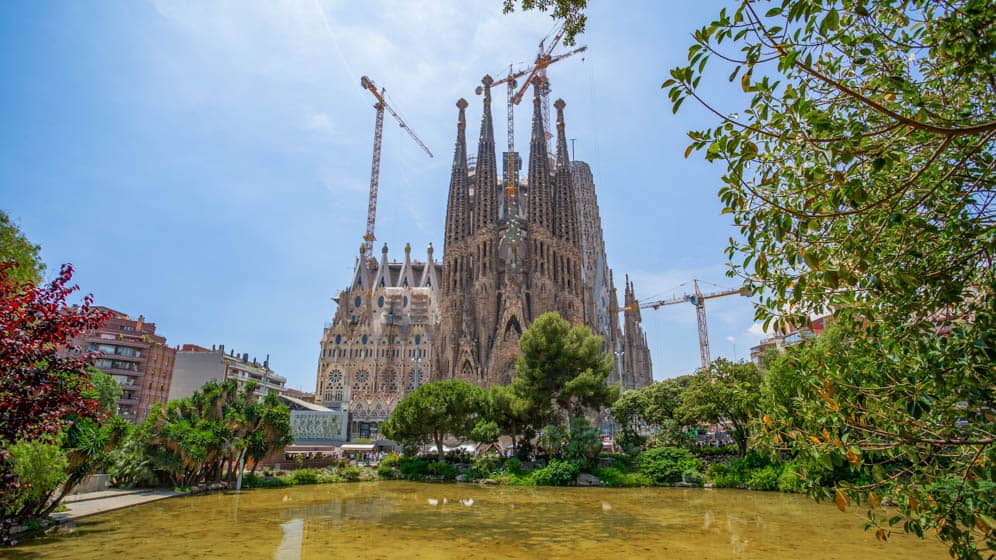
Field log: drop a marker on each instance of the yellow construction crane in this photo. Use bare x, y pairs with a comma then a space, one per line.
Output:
367, 83
698, 299
535, 72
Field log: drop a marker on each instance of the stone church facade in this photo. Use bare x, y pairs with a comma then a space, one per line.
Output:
512, 255
378, 347
509, 256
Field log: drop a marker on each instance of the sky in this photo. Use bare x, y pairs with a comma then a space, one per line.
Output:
206, 164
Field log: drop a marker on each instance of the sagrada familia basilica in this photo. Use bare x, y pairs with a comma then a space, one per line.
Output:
510, 255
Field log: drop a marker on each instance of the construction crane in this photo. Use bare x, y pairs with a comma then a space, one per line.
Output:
698, 299
543, 60
537, 70
380, 106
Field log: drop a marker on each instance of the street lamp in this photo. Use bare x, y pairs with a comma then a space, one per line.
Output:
619, 359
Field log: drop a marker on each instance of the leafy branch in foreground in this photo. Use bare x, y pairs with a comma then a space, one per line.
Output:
860, 175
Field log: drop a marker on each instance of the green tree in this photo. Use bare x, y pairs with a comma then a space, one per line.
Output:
14, 246
509, 412
860, 175
434, 410
204, 437
628, 411
562, 370
725, 392
105, 390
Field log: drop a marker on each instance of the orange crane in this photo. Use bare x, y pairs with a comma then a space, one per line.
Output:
698, 299
537, 70
367, 83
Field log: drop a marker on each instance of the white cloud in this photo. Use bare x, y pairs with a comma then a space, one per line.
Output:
758, 330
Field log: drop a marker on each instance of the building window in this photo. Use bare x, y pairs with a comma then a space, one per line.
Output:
357, 301
418, 339
338, 339
364, 339
380, 301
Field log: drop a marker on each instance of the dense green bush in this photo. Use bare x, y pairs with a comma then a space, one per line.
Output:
557, 473
253, 480
789, 480
617, 477
459, 456
131, 467
442, 469
583, 443
387, 472
513, 466
486, 465
413, 468
391, 460
511, 479
40, 468
665, 465
304, 476
350, 473
765, 478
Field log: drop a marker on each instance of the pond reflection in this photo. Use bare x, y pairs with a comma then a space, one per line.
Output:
428, 521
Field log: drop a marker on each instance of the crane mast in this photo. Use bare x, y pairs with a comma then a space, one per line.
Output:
535, 73
380, 106
698, 299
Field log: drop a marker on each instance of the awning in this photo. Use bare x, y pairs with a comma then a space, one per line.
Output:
357, 447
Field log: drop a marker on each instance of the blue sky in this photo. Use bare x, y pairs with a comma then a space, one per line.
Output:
206, 163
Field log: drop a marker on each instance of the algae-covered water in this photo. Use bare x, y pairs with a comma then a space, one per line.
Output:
410, 520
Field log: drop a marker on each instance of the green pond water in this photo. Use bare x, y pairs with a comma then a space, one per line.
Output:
411, 520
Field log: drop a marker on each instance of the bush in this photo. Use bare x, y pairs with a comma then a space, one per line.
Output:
692, 477
304, 476
510, 479
350, 474
40, 467
253, 480
763, 479
665, 465
789, 480
486, 465
459, 456
387, 472
131, 466
442, 469
513, 466
616, 477
391, 460
552, 441
414, 469
583, 443
557, 473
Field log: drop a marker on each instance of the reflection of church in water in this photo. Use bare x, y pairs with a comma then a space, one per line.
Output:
508, 258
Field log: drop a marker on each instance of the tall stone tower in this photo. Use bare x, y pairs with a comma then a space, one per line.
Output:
511, 255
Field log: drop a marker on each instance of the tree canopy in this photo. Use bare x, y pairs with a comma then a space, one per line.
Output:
432, 411
15, 247
562, 370
860, 176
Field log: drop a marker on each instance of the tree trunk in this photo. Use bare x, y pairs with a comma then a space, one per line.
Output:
439, 447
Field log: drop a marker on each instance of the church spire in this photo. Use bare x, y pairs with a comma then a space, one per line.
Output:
567, 204
540, 211
458, 211
486, 183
